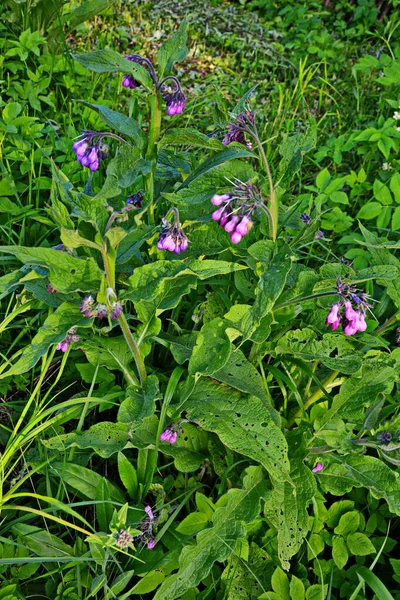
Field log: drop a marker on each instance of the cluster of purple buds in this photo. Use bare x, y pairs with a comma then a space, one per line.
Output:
129, 81
238, 128
135, 200
342, 312
90, 150
146, 525
234, 212
91, 309
169, 435
174, 98
385, 437
51, 289
71, 337
115, 306
123, 539
172, 237
305, 218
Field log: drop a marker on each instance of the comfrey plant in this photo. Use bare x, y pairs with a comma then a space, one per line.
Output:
190, 294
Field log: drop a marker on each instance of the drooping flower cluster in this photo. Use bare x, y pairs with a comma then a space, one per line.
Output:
173, 97
90, 150
70, 338
237, 129
92, 309
135, 200
169, 435
172, 236
129, 81
385, 437
146, 526
305, 218
235, 210
343, 312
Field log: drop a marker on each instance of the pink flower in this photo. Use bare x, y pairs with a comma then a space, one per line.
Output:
147, 509
333, 317
351, 314
318, 467
350, 328
169, 435
151, 544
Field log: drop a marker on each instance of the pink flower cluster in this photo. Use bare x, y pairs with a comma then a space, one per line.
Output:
71, 337
235, 224
352, 320
169, 435
172, 238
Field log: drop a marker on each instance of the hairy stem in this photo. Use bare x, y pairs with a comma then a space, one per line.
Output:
134, 348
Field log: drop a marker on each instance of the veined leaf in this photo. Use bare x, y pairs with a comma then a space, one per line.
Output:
121, 123
173, 50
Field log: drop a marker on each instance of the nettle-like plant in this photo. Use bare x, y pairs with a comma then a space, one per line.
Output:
200, 294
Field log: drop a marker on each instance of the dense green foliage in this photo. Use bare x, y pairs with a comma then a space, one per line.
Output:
210, 436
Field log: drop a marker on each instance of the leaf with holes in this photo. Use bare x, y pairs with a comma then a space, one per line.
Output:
190, 450
105, 439
243, 426
140, 402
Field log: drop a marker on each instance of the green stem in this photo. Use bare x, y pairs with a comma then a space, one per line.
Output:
151, 153
328, 383
134, 348
84, 411
273, 203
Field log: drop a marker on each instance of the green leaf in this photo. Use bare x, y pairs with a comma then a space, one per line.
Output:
120, 122
105, 439
395, 186
292, 150
173, 50
339, 552
147, 584
374, 583
280, 584
109, 61
140, 402
127, 473
193, 524
53, 331
84, 482
41, 542
361, 390
297, 591
369, 211
303, 344
212, 349
205, 505
104, 509
396, 219
113, 353
363, 471
66, 273
245, 427
268, 290
286, 509
349, 523
315, 546
316, 592
382, 193
216, 161
86, 11
359, 544
218, 542
168, 280
322, 179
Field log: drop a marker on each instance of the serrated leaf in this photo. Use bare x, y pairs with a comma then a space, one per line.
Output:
359, 544
218, 542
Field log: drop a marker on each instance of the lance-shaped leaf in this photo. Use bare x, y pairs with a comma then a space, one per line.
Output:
243, 425
218, 542
84, 482
66, 273
121, 123
109, 61
173, 50
53, 331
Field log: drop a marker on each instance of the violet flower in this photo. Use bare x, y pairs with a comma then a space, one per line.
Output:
70, 338
173, 96
236, 208
90, 150
124, 539
172, 236
344, 312
169, 435
238, 127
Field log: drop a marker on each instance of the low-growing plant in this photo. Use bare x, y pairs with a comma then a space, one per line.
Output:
231, 378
